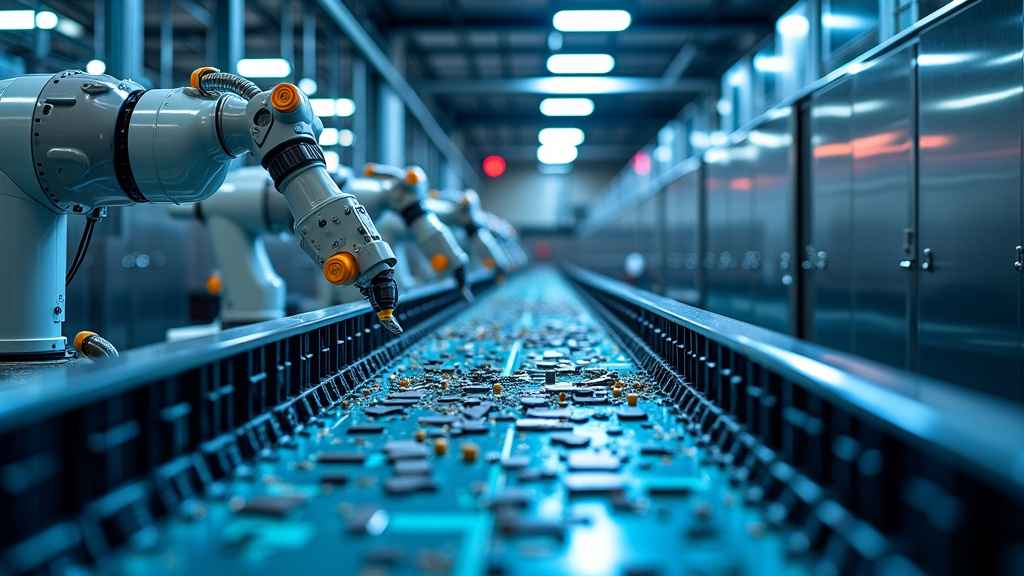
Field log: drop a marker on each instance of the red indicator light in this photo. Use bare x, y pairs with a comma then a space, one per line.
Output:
494, 166
642, 162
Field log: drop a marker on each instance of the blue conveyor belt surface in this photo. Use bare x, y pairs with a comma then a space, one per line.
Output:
585, 485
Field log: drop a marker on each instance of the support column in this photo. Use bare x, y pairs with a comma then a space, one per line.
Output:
391, 143
123, 40
229, 34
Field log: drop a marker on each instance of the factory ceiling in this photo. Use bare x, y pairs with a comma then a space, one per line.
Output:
480, 65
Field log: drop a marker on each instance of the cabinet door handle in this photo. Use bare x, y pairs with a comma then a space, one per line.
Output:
1019, 264
927, 263
906, 264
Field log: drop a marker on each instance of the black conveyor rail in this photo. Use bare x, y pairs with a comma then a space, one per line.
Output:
90, 456
868, 465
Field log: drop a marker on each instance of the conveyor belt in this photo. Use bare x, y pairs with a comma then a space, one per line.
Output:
311, 443
429, 468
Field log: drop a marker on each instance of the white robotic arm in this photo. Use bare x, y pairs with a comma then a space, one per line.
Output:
74, 142
463, 209
406, 190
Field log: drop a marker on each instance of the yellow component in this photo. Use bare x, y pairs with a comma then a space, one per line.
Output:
470, 451
440, 446
444, 386
619, 383
438, 262
81, 338
631, 399
561, 398
421, 435
386, 314
434, 194
403, 383
199, 73
370, 170
616, 392
286, 98
342, 268
489, 263
214, 285
413, 176
497, 389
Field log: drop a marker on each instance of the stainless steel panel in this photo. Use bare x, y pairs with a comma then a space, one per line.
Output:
742, 269
970, 81
717, 255
773, 221
682, 238
827, 254
883, 190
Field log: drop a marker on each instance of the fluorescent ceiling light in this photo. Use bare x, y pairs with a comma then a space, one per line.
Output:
581, 63
592, 20
566, 106
264, 67
346, 137
70, 28
17, 19
793, 25
46, 20
770, 63
561, 137
344, 107
323, 107
96, 67
308, 85
329, 137
844, 21
328, 107
556, 154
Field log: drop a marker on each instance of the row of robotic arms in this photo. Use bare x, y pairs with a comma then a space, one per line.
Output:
77, 144
439, 232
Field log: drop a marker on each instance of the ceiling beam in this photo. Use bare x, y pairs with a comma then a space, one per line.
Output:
693, 26
566, 85
677, 67
364, 43
649, 119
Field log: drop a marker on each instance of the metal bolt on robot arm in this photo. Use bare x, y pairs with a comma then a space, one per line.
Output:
463, 209
406, 191
75, 142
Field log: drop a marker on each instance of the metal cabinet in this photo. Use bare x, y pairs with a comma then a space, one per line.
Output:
883, 195
771, 255
970, 81
717, 256
682, 255
827, 256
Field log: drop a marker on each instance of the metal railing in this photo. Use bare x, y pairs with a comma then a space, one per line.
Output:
867, 465
90, 456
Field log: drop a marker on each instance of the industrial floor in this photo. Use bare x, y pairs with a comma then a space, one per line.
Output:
462, 459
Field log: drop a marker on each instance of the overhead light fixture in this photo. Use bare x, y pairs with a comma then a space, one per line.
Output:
46, 20
592, 20
567, 106
560, 137
70, 28
328, 107
96, 67
17, 19
344, 107
264, 67
346, 137
770, 63
554, 168
581, 63
556, 154
308, 85
793, 25
329, 137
